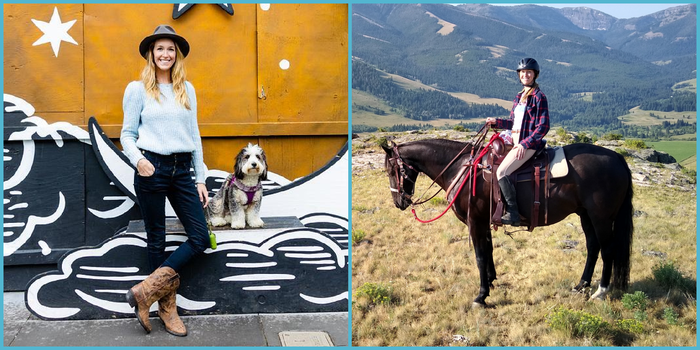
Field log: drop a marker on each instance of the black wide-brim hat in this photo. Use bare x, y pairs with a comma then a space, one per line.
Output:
164, 32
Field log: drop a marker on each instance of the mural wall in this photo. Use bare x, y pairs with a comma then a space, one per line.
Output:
275, 75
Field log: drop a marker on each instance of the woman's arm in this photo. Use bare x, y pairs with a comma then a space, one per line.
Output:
198, 153
132, 106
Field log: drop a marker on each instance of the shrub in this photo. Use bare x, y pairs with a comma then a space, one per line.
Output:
577, 323
460, 127
582, 138
358, 235
637, 301
671, 316
629, 326
561, 132
667, 275
377, 293
612, 137
623, 152
690, 173
635, 144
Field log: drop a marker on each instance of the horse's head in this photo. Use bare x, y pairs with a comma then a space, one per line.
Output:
402, 176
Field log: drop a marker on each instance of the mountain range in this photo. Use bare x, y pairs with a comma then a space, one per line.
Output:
660, 36
475, 48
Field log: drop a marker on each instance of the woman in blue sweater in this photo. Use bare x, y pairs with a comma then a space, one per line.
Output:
161, 138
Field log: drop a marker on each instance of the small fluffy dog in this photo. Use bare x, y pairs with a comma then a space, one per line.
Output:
238, 200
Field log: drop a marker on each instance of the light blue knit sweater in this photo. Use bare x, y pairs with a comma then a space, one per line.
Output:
163, 128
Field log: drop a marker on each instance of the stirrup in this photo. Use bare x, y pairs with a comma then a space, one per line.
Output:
506, 219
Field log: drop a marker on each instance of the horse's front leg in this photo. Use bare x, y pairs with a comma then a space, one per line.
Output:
491, 267
483, 249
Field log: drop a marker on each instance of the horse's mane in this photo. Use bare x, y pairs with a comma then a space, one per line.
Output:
445, 143
447, 149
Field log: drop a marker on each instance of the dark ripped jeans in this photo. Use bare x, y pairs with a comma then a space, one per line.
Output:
171, 180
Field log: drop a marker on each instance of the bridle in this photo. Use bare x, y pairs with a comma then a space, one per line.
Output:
469, 167
400, 174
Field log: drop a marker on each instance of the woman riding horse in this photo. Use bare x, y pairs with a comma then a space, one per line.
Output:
529, 121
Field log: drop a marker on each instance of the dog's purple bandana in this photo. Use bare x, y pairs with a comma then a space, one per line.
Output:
249, 190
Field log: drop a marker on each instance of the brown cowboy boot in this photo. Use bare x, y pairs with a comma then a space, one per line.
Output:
167, 311
153, 288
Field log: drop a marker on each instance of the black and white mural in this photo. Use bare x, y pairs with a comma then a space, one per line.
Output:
251, 271
68, 191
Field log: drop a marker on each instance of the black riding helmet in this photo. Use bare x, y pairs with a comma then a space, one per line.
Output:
529, 63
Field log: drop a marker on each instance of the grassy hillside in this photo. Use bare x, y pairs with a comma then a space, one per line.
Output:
637, 116
409, 84
361, 117
688, 85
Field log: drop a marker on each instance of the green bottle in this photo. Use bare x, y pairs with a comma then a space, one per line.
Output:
212, 237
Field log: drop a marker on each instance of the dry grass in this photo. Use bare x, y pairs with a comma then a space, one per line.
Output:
431, 271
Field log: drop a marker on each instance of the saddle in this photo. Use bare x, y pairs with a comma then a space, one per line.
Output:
546, 164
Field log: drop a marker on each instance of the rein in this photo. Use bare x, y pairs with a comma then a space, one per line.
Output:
472, 162
479, 139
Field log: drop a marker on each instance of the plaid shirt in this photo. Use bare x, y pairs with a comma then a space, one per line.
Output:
535, 121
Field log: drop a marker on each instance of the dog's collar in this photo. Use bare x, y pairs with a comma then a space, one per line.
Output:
237, 182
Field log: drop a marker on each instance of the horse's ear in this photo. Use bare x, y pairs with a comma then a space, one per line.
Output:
387, 145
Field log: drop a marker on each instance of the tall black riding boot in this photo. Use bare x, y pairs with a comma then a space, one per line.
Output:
512, 216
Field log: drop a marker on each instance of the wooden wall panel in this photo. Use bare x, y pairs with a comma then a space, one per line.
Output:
231, 58
314, 39
300, 156
52, 83
221, 64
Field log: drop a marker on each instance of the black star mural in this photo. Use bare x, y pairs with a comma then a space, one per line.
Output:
180, 9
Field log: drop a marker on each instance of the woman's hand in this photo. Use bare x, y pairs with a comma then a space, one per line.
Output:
491, 121
519, 151
145, 168
203, 194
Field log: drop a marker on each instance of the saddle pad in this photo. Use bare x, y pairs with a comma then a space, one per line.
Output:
559, 167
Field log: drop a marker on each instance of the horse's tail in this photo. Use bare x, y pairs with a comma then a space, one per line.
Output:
622, 233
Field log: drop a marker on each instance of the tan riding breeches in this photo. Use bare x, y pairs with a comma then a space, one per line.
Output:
510, 164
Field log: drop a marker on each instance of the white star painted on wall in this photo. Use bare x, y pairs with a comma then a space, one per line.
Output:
54, 32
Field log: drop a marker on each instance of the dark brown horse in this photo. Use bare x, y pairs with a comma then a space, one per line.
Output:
598, 188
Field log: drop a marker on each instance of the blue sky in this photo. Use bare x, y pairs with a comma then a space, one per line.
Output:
616, 10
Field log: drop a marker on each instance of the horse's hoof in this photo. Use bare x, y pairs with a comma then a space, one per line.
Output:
600, 294
476, 305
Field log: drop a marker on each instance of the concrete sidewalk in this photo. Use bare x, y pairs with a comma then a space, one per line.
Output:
21, 328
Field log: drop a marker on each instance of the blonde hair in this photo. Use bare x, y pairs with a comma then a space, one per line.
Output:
178, 76
527, 91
